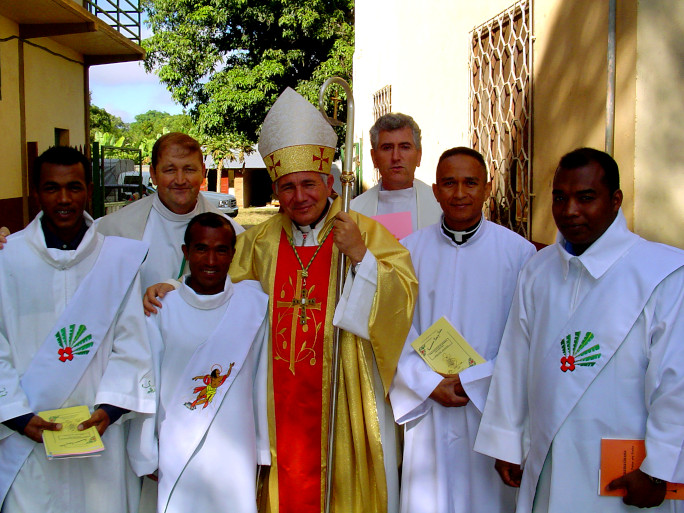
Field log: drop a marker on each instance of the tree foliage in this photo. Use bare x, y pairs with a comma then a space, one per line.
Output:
228, 60
103, 121
142, 133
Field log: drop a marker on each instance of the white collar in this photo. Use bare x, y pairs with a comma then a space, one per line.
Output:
206, 302
604, 252
61, 258
298, 232
398, 194
172, 216
479, 231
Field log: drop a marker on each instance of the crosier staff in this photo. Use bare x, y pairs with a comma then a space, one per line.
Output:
347, 180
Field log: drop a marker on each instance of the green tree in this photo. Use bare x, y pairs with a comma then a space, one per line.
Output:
103, 121
228, 60
152, 124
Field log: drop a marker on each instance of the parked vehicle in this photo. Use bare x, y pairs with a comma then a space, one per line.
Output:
226, 203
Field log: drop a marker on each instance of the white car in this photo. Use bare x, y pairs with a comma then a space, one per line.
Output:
226, 203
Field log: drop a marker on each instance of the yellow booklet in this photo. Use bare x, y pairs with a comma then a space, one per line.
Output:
69, 442
444, 349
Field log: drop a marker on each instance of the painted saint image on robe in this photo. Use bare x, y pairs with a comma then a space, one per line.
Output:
212, 381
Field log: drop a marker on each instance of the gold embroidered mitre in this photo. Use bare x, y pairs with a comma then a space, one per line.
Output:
296, 137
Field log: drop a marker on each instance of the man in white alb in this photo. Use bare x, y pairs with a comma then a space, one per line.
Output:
592, 349
396, 152
210, 340
160, 219
472, 287
64, 342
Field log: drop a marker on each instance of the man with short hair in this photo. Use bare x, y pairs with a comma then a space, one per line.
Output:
57, 351
294, 255
592, 349
473, 289
210, 341
160, 219
396, 152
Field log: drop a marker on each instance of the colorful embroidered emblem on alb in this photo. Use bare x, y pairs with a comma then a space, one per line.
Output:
73, 343
206, 393
575, 354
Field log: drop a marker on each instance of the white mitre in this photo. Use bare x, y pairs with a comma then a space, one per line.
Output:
296, 137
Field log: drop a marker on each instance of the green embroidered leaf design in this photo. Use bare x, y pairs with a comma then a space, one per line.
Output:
81, 330
590, 350
577, 355
574, 344
78, 344
83, 341
587, 338
61, 337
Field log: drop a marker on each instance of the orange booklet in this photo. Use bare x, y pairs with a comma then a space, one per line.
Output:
619, 457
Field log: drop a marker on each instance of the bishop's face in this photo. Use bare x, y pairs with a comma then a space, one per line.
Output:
461, 190
583, 206
303, 195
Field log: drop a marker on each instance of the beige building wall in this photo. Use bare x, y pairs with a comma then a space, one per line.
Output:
10, 121
570, 81
423, 55
54, 94
659, 153
422, 52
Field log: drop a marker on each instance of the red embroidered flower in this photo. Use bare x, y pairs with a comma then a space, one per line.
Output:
568, 363
65, 354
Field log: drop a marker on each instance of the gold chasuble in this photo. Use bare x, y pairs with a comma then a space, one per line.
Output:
301, 312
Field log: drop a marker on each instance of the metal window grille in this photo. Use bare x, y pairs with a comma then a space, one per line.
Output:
501, 112
122, 15
382, 102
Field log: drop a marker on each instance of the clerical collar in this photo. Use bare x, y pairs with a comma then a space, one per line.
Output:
312, 226
203, 301
52, 240
164, 211
459, 237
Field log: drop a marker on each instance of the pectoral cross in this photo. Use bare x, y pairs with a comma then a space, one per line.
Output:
300, 302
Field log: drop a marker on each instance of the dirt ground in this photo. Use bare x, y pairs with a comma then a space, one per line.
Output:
251, 216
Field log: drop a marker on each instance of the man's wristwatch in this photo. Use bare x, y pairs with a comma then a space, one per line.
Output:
655, 480
355, 268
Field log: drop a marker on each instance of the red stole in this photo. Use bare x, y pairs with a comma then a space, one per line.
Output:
297, 355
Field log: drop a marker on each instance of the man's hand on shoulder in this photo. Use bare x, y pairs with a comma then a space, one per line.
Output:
450, 392
642, 490
510, 473
4, 233
34, 429
347, 237
152, 297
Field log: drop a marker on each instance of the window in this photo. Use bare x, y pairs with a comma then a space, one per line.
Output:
501, 112
61, 137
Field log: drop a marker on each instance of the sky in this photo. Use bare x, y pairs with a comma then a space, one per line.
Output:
125, 90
